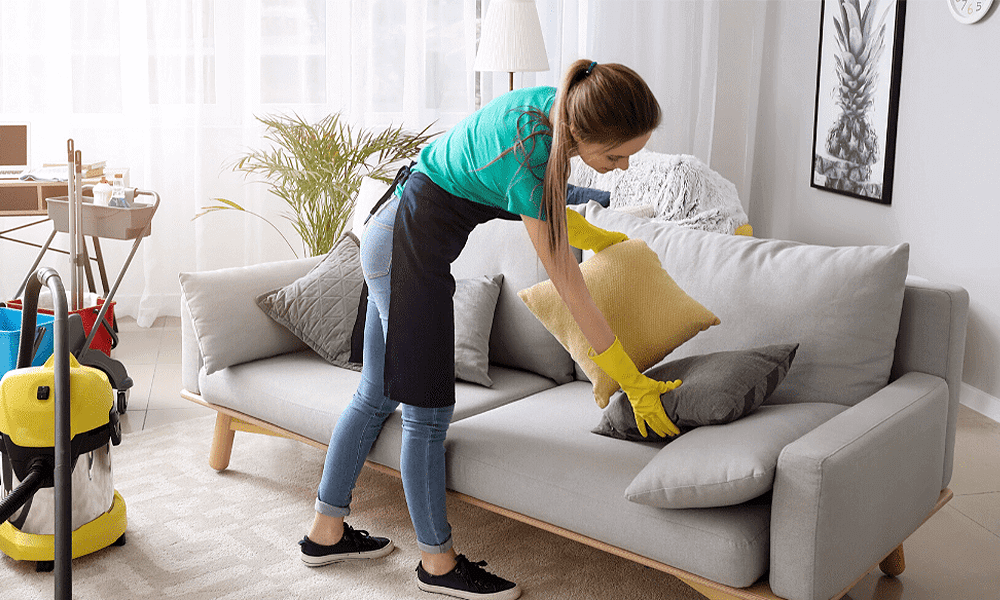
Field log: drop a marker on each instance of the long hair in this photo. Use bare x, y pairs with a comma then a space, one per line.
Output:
610, 105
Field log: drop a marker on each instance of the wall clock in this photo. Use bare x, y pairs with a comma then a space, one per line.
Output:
969, 11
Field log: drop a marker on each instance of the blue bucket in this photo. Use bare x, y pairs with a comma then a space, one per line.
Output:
10, 338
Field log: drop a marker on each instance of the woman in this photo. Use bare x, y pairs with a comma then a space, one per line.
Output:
509, 160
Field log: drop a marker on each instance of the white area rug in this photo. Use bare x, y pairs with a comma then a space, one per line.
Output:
194, 533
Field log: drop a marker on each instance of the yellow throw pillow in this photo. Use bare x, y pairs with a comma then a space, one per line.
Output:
646, 309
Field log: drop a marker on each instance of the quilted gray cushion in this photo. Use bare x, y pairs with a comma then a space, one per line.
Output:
321, 307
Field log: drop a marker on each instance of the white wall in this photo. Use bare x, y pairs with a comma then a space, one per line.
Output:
946, 197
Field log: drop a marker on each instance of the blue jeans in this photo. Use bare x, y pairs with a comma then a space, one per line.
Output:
422, 458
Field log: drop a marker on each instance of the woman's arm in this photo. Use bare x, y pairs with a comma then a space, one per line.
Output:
564, 272
606, 350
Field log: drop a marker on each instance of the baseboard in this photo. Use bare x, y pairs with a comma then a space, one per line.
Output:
980, 401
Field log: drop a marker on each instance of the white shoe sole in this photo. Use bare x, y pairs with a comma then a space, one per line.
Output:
511, 594
322, 561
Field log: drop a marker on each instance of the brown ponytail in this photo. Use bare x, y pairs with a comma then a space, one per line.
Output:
596, 103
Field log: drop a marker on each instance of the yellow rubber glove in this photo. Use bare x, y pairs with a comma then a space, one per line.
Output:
585, 236
643, 393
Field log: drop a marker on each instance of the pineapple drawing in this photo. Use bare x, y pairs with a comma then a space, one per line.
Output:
860, 37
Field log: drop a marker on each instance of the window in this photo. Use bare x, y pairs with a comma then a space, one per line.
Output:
293, 52
181, 41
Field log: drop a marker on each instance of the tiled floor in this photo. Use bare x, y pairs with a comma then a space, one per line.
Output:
954, 556
152, 357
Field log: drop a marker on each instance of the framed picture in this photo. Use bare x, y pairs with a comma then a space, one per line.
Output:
857, 97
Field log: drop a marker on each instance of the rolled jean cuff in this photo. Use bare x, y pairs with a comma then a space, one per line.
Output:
331, 511
439, 549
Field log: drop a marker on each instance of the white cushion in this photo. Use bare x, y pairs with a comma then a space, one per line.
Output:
368, 194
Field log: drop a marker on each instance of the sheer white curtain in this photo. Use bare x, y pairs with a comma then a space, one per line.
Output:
702, 59
170, 89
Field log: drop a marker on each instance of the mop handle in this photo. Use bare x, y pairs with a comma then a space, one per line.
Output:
72, 208
78, 258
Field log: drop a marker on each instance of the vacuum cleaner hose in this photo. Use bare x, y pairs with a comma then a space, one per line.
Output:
23, 492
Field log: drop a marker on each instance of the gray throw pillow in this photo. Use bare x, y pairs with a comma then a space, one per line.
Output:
723, 465
716, 388
475, 302
321, 307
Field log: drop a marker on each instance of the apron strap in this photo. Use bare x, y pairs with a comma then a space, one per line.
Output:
401, 176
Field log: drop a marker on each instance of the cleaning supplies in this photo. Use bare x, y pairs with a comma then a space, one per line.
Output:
102, 192
118, 199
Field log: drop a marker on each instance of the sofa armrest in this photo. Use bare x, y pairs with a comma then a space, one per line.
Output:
191, 358
850, 491
932, 331
227, 325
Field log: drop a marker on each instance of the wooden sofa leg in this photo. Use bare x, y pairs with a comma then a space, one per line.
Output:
222, 443
894, 564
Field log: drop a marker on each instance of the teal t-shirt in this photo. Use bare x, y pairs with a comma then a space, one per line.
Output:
464, 160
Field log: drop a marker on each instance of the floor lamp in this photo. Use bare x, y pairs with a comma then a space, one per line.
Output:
511, 39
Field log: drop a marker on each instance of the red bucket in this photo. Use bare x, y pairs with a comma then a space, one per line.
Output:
103, 340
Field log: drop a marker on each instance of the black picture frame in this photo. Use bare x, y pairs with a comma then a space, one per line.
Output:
857, 97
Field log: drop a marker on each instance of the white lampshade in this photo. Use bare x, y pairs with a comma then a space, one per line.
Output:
511, 38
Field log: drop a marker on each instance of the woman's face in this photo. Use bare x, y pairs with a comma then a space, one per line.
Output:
604, 159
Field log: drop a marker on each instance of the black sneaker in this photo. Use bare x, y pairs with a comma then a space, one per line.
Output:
468, 580
355, 545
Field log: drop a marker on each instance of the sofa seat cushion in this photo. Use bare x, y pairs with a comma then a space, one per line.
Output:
509, 385
298, 391
841, 304
303, 393
538, 458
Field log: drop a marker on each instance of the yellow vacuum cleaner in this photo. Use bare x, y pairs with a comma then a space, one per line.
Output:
59, 500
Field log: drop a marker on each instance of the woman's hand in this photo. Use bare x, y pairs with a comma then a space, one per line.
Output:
643, 393
586, 236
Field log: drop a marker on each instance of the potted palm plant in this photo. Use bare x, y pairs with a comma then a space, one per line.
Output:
317, 170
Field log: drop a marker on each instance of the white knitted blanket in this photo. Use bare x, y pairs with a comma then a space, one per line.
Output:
681, 189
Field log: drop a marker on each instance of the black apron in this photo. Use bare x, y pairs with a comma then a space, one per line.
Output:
432, 227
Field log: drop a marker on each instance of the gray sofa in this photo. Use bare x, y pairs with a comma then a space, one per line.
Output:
853, 450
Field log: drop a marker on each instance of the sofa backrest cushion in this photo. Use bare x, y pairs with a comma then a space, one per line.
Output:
229, 326
518, 339
841, 305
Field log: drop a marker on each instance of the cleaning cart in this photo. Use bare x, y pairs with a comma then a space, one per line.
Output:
57, 424
92, 333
